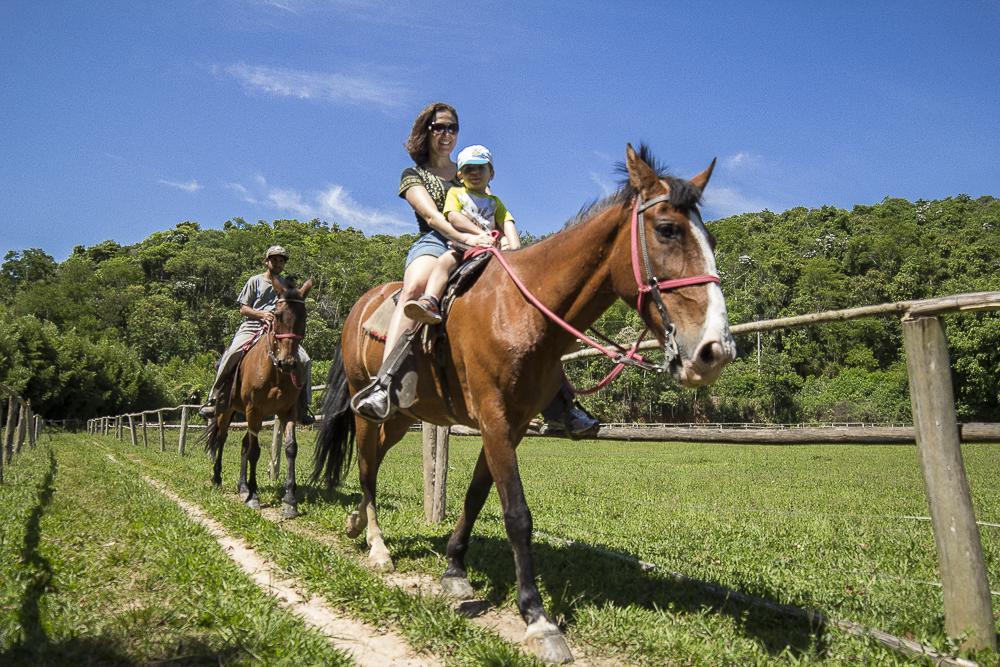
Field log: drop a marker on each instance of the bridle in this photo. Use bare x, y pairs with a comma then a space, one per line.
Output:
655, 287
274, 337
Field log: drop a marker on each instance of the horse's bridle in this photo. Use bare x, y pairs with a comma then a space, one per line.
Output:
654, 286
281, 336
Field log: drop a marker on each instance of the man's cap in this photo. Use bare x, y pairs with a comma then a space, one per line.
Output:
474, 154
275, 250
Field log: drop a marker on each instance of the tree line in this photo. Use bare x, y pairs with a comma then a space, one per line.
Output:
118, 328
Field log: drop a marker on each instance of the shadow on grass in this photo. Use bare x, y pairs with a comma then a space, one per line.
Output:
576, 576
107, 651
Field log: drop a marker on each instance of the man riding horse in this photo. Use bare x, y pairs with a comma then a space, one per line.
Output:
258, 300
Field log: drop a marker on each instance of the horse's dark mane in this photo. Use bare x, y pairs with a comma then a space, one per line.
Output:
683, 195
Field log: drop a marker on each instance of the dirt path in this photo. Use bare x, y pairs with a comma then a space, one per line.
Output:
505, 622
367, 645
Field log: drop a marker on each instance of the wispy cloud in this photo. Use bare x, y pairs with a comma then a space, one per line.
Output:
606, 186
186, 186
322, 86
720, 202
742, 161
334, 204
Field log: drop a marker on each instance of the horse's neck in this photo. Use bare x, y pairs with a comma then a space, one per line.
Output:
571, 272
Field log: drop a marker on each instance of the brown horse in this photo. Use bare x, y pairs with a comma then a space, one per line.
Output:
266, 383
504, 356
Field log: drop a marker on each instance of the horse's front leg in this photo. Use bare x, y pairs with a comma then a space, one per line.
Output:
543, 637
455, 581
373, 443
289, 505
241, 484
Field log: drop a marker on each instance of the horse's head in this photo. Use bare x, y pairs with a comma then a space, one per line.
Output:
670, 274
290, 322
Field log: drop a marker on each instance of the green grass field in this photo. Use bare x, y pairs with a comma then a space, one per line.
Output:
816, 527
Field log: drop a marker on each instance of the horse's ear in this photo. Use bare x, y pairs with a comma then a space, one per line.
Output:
701, 180
640, 175
304, 290
279, 287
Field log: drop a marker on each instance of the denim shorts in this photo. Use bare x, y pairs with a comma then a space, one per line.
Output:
432, 243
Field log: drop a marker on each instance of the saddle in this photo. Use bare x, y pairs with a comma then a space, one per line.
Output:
399, 372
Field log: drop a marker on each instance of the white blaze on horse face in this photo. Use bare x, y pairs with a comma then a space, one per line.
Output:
716, 325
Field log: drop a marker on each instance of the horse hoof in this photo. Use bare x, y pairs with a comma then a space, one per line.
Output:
381, 563
457, 588
354, 525
289, 511
544, 640
253, 504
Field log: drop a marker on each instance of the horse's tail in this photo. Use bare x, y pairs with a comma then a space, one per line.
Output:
335, 440
210, 437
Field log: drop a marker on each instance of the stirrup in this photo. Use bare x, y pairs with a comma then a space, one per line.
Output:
363, 394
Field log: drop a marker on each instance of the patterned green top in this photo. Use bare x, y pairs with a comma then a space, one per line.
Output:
436, 187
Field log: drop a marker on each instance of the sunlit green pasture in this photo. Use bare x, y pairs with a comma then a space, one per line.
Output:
823, 528
98, 568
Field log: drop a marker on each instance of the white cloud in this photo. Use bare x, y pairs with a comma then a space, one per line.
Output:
606, 186
186, 186
242, 192
720, 202
322, 86
334, 204
742, 161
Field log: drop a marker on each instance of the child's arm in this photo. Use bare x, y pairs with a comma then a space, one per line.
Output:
462, 223
510, 233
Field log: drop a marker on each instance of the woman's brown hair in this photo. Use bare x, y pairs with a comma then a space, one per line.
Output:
416, 144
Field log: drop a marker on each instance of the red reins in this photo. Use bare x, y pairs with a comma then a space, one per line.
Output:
630, 358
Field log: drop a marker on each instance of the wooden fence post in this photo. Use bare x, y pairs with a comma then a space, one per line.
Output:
274, 469
22, 427
159, 418
8, 436
30, 424
429, 438
119, 426
441, 473
435, 456
38, 427
967, 603
131, 431
182, 438
142, 421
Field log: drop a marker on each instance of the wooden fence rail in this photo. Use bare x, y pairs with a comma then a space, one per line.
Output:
967, 601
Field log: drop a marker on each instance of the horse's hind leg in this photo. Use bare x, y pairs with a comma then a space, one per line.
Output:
220, 435
455, 581
373, 443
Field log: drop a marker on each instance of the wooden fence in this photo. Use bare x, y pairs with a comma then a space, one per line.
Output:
967, 601
20, 425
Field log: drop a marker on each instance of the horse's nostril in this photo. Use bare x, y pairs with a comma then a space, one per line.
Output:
710, 353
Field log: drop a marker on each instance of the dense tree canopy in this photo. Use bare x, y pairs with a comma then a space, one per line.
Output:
116, 328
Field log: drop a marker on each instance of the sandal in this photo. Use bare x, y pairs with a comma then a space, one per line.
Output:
425, 309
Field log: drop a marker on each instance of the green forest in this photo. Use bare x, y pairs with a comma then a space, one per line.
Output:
118, 328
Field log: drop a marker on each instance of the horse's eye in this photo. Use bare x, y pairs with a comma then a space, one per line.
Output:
668, 231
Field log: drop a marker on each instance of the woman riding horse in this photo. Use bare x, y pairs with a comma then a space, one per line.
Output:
424, 186
647, 245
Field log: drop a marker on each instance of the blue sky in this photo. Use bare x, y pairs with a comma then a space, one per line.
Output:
118, 119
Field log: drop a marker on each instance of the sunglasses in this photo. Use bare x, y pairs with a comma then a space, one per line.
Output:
439, 128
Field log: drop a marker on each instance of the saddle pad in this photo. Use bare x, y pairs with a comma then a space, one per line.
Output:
377, 323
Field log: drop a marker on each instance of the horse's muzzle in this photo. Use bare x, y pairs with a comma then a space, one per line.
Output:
706, 364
